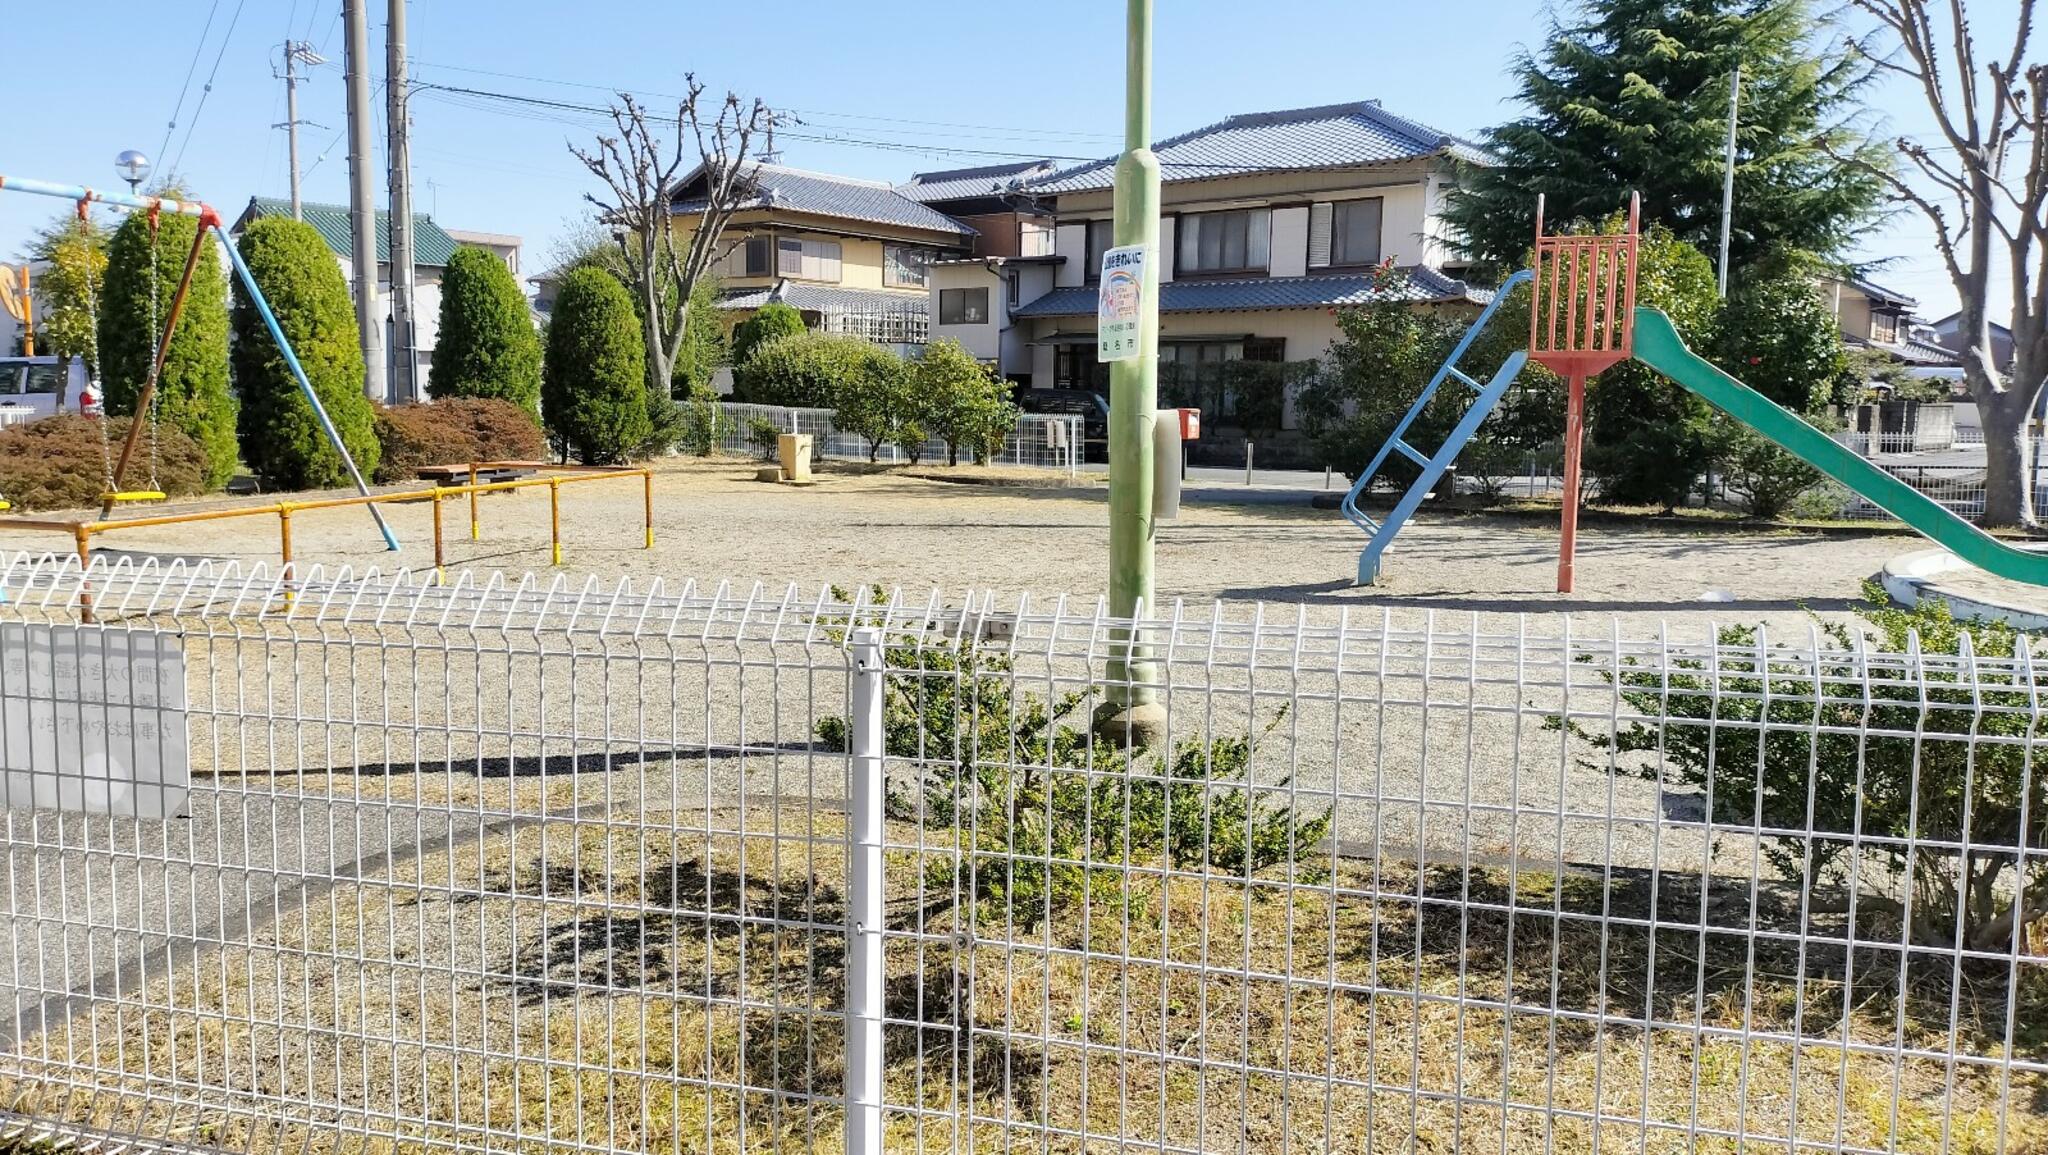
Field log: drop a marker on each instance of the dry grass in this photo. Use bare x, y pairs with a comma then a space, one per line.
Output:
645, 989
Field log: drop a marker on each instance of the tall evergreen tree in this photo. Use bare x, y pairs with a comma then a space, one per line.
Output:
593, 393
487, 345
192, 393
1633, 95
281, 437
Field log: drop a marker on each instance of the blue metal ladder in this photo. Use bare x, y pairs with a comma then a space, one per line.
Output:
1432, 465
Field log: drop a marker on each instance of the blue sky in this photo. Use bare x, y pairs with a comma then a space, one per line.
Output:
882, 89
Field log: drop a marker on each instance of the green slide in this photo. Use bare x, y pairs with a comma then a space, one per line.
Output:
1658, 345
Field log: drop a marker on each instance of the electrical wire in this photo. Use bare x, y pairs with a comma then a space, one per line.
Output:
207, 91
185, 88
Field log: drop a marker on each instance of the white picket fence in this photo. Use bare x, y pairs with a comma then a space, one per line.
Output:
1040, 440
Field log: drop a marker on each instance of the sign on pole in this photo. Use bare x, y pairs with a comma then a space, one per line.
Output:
93, 720
1118, 318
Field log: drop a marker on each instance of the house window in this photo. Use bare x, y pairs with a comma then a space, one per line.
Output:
904, 267
807, 260
1355, 232
1101, 239
1231, 242
963, 306
755, 261
1884, 328
1011, 288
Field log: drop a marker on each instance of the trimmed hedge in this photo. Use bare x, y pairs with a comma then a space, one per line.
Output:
281, 438
594, 374
60, 462
809, 370
488, 347
453, 432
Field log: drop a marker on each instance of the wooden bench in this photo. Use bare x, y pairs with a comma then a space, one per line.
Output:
459, 474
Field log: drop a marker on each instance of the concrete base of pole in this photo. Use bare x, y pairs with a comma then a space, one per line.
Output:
1139, 725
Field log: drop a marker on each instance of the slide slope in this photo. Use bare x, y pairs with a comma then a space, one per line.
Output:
1657, 345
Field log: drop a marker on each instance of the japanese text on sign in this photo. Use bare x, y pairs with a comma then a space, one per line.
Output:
93, 720
1119, 319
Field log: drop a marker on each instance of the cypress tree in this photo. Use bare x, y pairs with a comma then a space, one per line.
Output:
281, 438
594, 372
1633, 95
488, 347
192, 393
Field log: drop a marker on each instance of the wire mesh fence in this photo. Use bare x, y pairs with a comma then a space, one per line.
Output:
547, 865
1039, 440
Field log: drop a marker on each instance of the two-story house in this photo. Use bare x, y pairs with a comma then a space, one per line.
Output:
852, 256
1874, 317
1270, 224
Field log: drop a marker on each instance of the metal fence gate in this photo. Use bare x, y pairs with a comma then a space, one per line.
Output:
542, 865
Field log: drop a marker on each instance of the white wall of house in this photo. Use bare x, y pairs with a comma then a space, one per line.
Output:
1071, 241
983, 340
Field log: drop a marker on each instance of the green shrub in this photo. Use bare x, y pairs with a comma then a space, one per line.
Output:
1047, 817
769, 322
961, 402
192, 393
281, 438
1905, 761
61, 462
704, 422
872, 398
593, 387
765, 436
805, 370
488, 346
1767, 480
457, 431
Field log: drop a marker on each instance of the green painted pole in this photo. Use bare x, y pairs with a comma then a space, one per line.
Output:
1131, 711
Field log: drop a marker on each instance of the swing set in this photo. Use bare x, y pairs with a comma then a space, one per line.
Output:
147, 408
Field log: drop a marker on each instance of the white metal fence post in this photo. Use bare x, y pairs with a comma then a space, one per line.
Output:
864, 901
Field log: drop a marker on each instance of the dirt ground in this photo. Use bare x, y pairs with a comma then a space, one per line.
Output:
714, 524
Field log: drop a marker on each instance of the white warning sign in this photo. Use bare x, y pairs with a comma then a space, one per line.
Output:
93, 720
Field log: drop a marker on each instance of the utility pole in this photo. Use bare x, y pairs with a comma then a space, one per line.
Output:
1131, 711
404, 352
1728, 175
296, 52
362, 211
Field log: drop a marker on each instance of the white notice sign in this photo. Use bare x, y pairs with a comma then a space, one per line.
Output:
92, 720
1117, 306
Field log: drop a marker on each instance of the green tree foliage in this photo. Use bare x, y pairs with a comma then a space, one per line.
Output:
704, 348
1385, 355
593, 383
1633, 95
1911, 759
808, 370
68, 292
871, 400
960, 402
488, 347
1647, 438
770, 321
192, 394
1776, 336
281, 438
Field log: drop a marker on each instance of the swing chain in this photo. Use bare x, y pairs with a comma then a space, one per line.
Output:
155, 402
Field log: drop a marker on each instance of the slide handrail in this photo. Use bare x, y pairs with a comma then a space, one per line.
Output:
1658, 345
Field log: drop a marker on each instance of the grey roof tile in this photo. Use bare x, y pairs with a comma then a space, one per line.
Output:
969, 183
821, 194
1329, 136
1420, 285
431, 246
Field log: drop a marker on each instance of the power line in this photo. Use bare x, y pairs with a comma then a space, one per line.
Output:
183, 89
207, 91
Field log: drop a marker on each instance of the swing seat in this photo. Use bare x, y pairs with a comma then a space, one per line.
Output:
133, 495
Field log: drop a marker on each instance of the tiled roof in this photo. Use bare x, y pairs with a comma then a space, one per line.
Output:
1874, 290
1331, 136
804, 295
1320, 292
969, 183
1910, 352
431, 246
824, 195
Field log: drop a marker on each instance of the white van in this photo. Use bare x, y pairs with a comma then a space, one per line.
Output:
39, 386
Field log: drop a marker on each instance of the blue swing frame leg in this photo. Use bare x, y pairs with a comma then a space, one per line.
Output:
291, 359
